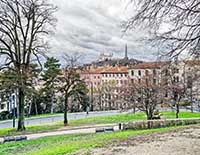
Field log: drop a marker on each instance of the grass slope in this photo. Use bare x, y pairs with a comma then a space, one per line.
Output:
117, 118
59, 145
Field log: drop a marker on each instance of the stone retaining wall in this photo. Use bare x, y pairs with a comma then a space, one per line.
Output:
148, 124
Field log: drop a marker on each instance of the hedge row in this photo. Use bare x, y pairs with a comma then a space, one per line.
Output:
159, 123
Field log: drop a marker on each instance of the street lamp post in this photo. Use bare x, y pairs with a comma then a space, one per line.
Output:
13, 104
92, 99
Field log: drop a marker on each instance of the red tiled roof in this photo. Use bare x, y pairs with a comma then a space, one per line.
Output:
93, 71
116, 69
192, 62
100, 70
150, 65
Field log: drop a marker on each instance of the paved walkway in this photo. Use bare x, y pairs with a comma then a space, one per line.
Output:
70, 130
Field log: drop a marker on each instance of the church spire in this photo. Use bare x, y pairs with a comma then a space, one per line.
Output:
126, 52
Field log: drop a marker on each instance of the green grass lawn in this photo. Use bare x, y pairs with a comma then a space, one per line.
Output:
182, 114
62, 144
31, 129
78, 122
117, 118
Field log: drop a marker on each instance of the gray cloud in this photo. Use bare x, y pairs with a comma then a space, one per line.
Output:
89, 28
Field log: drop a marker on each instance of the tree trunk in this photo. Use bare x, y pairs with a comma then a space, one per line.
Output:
134, 107
191, 98
177, 108
149, 117
52, 104
65, 111
36, 109
21, 96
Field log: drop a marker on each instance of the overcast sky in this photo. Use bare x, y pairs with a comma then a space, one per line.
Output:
91, 27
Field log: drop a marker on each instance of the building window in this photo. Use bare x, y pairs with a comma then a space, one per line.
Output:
175, 70
154, 72
132, 81
121, 75
147, 81
2, 106
146, 72
132, 72
139, 72
166, 72
139, 81
154, 81
125, 82
189, 82
177, 79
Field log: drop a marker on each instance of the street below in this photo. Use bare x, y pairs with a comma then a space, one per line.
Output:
58, 117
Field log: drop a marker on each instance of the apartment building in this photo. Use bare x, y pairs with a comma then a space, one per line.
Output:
93, 79
191, 78
104, 84
183, 74
146, 69
114, 83
108, 84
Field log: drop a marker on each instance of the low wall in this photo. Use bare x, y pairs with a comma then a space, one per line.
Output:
148, 124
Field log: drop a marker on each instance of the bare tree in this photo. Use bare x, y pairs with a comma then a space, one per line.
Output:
174, 22
70, 82
23, 27
175, 84
148, 94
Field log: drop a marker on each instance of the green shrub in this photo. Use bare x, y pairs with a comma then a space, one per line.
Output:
5, 115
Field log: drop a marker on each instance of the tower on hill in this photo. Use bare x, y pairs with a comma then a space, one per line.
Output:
126, 52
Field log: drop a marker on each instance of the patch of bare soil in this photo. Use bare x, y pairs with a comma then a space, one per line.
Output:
181, 141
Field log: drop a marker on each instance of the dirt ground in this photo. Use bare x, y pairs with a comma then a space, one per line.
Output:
182, 141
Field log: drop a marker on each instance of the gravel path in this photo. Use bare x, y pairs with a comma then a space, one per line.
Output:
182, 141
